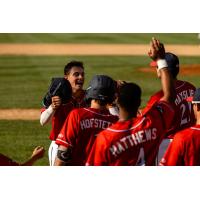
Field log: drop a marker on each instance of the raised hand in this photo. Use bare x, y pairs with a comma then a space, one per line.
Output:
38, 152
56, 102
157, 50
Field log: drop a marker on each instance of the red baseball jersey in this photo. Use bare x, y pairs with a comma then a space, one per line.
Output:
184, 149
60, 116
80, 130
135, 141
6, 161
184, 113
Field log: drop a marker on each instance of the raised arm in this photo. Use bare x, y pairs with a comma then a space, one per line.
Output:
157, 53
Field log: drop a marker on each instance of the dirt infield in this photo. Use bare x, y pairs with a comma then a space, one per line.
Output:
87, 49
92, 49
20, 114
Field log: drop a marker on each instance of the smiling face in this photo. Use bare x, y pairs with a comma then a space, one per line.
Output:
76, 78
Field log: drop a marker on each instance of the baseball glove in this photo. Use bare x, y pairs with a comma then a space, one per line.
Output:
58, 87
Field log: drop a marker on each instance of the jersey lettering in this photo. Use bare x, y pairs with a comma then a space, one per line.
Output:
183, 95
94, 123
185, 116
141, 158
133, 140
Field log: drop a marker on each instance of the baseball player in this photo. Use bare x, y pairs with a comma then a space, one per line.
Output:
135, 140
37, 154
83, 124
184, 114
185, 147
58, 111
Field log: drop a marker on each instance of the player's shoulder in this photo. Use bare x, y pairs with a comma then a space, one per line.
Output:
190, 84
183, 134
161, 107
108, 134
187, 136
184, 84
121, 127
161, 112
156, 96
74, 113
77, 111
195, 130
97, 112
85, 112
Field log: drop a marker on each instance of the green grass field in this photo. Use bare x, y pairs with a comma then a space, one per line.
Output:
136, 38
19, 138
25, 79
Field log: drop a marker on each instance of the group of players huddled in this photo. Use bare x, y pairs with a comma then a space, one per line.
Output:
104, 124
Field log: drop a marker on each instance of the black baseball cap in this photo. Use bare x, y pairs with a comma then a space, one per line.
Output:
196, 97
101, 87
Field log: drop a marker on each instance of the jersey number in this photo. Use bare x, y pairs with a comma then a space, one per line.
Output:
141, 159
185, 117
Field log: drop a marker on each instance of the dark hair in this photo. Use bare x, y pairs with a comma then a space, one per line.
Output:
71, 64
129, 97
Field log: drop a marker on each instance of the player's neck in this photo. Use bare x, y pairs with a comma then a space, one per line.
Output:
96, 105
198, 120
124, 115
78, 94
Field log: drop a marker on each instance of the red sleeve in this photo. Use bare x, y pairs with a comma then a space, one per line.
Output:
173, 155
68, 134
154, 99
6, 161
97, 156
166, 112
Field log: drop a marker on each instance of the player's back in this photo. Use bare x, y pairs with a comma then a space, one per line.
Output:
192, 146
184, 114
136, 145
185, 148
132, 142
81, 129
92, 121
